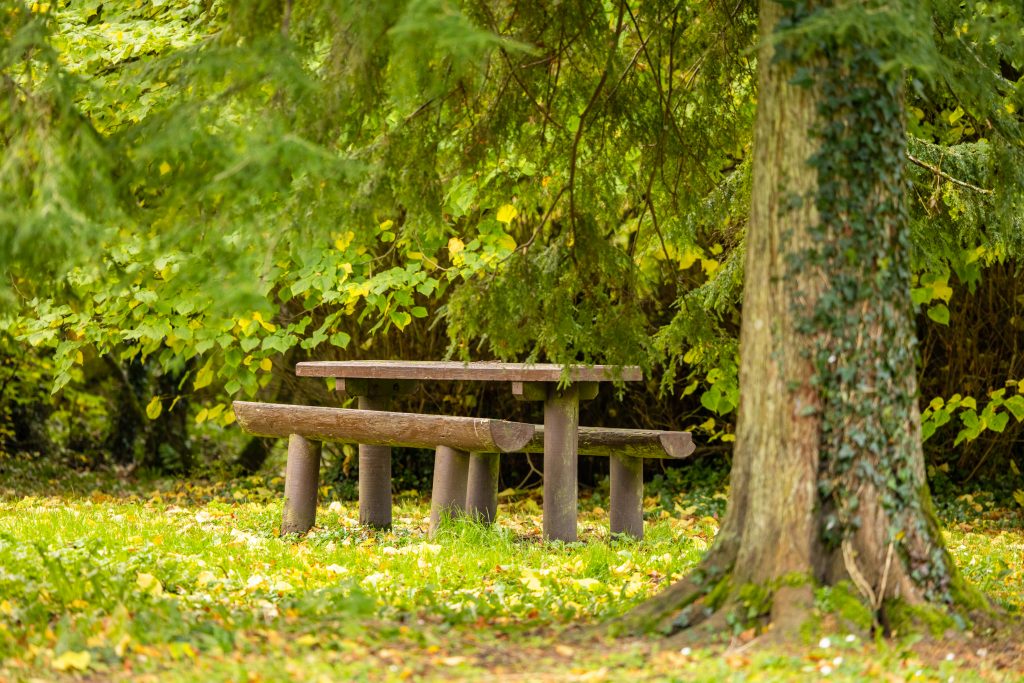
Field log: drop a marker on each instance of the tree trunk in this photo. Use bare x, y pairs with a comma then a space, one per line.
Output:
828, 480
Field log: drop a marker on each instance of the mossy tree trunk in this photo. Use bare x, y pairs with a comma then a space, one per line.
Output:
828, 478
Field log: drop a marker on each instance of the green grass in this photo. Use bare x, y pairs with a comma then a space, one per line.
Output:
191, 582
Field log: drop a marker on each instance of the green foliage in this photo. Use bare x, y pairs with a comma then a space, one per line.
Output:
225, 185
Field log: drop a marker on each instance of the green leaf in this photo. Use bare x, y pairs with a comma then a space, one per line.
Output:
1015, 404
154, 408
401, 319
340, 339
997, 423
939, 313
419, 312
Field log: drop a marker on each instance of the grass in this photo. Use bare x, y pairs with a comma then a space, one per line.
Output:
113, 580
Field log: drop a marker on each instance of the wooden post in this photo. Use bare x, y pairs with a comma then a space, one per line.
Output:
451, 471
301, 481
627, 494
374, 473
561, 421
482, 488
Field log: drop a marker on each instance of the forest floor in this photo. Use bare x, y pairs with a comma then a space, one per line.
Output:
107, 578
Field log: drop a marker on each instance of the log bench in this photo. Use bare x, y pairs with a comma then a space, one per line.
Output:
466, 456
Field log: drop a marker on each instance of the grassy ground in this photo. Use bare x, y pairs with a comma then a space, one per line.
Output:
103, 579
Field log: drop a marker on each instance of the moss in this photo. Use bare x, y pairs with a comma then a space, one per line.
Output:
718, 595
756, 599
843, 601
905, 618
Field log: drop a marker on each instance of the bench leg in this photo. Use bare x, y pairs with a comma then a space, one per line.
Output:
374, 475
627, 494
482, 487
561, 424
451, 471
301, 481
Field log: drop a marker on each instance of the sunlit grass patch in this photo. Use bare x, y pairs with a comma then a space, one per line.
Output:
191, 581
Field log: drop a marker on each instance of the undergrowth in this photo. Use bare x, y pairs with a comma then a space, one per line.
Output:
114, 578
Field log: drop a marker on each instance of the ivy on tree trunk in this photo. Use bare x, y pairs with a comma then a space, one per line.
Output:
827, 483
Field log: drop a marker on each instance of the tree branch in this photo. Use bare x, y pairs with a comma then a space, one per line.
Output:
942, 174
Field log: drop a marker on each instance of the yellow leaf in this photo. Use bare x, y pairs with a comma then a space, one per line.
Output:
940, 290
201, 416
228, 418
79, 359
507, 242
204, 578
71, 660
507, 213
205, 375
149, 584
165, 168
689, 257
1010, 107
122, 645
341, 244
266, 365
386, 225
154, 408
455, 245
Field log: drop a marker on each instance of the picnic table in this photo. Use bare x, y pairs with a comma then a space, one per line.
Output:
376, 382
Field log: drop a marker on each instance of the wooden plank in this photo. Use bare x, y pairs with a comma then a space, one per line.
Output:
456, 370
383, 428
635, 443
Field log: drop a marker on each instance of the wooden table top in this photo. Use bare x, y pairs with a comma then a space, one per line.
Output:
457, 370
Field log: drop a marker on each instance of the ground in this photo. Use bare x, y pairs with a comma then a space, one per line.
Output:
107, 578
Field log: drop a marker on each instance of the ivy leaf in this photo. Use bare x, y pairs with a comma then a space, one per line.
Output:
939, 313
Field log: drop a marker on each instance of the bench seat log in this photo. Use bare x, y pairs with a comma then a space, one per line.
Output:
631, 443
383, 428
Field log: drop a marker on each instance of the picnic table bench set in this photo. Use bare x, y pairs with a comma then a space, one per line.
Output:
466, 449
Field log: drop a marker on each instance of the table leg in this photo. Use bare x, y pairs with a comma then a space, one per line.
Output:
561, 425
451, 470
627, 496
301, 481
374, 474
482, 489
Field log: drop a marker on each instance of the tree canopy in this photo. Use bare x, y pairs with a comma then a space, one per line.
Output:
212, 184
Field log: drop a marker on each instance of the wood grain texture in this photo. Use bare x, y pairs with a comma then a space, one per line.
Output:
455, 370
635, 443
383, 428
